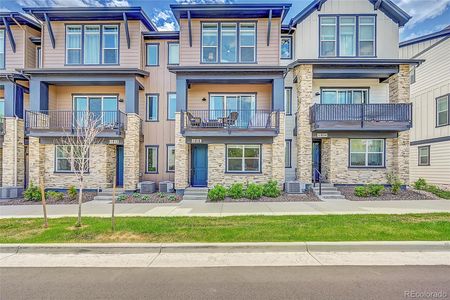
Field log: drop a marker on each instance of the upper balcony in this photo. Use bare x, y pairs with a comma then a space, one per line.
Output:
361, 117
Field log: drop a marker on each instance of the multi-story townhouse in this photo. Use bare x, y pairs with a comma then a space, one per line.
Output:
430, 95
234, 96
19, 48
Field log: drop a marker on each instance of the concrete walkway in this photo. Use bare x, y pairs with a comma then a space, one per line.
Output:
200, 208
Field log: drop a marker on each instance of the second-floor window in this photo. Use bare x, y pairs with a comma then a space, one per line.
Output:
228, 42
344, 96
443, 110
286, 47
288, 100
2, 48
171, 105
347, 36
152, 108
92, 44
38, 57
152, 54
174, 54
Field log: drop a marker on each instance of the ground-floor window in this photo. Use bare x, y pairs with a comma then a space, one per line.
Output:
367, 153
243, 158
151, 165
69, 159
170, 158
288, 153
424, 155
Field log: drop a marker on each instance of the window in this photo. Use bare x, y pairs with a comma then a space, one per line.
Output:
228, 41
73, 44
328, 36
210, 42
245, 105
288, 153
110, 44
151, 165
174, 53
344, 96
91, 44
102, 108
152, 108
367, 36
2, 48
171, 105
243, 158
2, 109
347, 36
247, 41
170, 158
288, 100
424, 155
412, 75
152, 54
442, 110
38, 57
286, 47
366, 153
69, 159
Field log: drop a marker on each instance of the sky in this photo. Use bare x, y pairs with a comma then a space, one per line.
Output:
428, 15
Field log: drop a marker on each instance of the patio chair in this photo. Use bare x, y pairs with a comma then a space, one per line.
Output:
231, 119
194, 121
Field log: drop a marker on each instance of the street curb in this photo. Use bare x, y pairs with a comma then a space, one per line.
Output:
134, 248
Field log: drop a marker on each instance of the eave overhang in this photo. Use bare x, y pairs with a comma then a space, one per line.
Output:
442, 33
14, 18
81, 72
35, 40
161, 35
226, 69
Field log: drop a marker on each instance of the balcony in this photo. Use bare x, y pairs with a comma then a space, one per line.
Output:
230, 122
361, 117
56, 123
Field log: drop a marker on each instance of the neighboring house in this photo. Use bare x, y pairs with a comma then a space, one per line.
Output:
430, 95
234, 96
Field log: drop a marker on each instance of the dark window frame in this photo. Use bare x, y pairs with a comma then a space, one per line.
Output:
4, 48
71, 171
147, 98
157, 55
288, 166
167, 159
289, 102
260, 166
344, 88
448, 111
168, 106
383, 166
168, 53
291, 47
428, 147
157, 159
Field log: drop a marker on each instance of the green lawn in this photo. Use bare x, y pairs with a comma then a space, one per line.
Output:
430, 227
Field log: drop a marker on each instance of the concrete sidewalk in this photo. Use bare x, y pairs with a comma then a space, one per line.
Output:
225, 255
199, 208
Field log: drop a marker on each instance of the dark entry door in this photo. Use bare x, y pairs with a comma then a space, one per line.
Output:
199, 165
119, 166
316, 159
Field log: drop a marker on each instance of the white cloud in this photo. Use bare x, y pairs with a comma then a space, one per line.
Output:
424, 32
74, 3
422, 10
204, 1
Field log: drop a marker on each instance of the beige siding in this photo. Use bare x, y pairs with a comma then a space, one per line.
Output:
15, 60
307, 33
414, 49
129, 58
199, 91
439, 169
266, 55
30, 48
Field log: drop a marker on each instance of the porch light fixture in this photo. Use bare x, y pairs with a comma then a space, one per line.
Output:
120, 99
203, 99
317, 93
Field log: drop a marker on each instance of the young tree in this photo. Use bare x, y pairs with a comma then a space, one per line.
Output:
86, 126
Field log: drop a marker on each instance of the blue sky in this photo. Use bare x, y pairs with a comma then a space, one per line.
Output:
428, 15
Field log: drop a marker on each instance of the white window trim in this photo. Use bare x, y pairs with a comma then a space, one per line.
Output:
367, 152
147, 62
80, 33
243, 158
217, 42
71, 159
169, 46
222, 30
3, 48
354, 36
428, 155
85, 33
168, 106
445, 99
373, 40
254, 43
336, 90
335, 25
116, 33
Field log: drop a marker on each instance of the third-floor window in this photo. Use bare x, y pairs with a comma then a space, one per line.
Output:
347, 36
92, 44
228, 42
2, 49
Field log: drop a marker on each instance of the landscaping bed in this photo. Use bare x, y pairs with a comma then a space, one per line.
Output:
408, 194
149, 198
66, 199
306, 197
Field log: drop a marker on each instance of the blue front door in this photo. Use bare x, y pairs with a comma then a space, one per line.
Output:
199, 165
316, 160
119, 166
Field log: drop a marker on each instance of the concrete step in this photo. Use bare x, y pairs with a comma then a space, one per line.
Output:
192, 197
326, 188
196, 193
329, 192
331, 197
103, 198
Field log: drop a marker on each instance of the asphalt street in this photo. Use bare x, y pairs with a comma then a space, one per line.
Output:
324, 282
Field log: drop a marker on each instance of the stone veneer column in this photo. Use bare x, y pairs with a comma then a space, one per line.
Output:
181, 156
131, 152
278, 153
304, 135
13, 153
399, 85
36, 160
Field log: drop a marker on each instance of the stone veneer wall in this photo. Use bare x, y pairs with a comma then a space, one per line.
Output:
131, 152
36, 160
304, 74
1, 165
181, 156
13, 141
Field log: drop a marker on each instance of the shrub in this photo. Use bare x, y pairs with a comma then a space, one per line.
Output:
145, 198
32, 193
122, 197
361, 191
172, 198
161, 195
438, 192
236, 191
394, 182
271, 189
72, 192
217, 193
137, 196
58, 196
375, 189
254, 191
420, 184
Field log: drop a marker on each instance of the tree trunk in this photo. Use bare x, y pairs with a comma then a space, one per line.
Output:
80, 201
44, 204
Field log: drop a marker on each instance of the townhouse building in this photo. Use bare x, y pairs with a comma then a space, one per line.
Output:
430, 88
238, 94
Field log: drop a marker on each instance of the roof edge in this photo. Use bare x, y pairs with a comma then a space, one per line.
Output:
426, 37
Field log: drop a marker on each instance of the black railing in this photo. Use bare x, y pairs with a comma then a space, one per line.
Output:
317, 177
362, 113
58, 120
230, 119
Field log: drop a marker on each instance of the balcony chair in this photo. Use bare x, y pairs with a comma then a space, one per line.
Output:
231, 119
194, 121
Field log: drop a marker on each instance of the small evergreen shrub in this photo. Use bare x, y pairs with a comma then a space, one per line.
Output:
361, 191
271, 189
161, 195
217, 193
236, 190
32, 193
375, 189
122, 197
394, 182
172, 198
420, 184
72, 192
145, 198
58, 196
254, 191
137, 196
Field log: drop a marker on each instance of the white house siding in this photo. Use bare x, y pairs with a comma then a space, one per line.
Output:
307, 33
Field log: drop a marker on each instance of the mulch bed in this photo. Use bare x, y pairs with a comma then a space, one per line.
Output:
408, 194
153, 198
87, 196
307, 197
